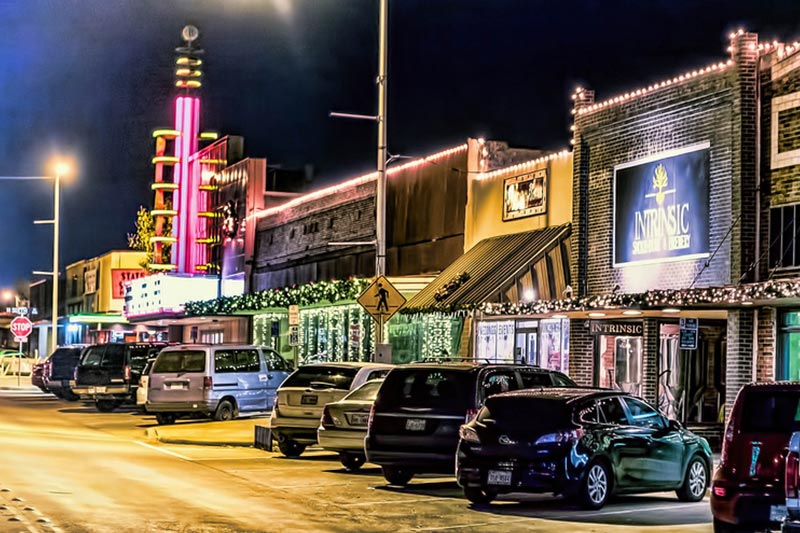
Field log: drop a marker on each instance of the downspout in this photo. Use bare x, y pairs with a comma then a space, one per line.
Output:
758, 213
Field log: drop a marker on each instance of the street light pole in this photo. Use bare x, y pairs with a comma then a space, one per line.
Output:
380, 200
56, 213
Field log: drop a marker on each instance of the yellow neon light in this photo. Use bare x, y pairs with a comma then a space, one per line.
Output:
191, 61
188, 84
209, 240
209, 135
166, 159
163, 212
208, 214
169, 239
214, 161
164, 185
162, 266
170, 134
208, 187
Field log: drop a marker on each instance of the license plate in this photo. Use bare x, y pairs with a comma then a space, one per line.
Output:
308, 399
498, 477
777, 512
415, 424
358, 419
176, 386
95, 390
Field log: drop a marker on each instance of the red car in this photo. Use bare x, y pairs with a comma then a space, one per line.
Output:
747, 493
37, 376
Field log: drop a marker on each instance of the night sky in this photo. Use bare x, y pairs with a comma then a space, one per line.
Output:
93, 78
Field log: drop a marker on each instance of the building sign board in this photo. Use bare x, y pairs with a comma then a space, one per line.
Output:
90, 281
294, 335
621, 328
525, 195
294, 315
120, 276
661, 207
688, 333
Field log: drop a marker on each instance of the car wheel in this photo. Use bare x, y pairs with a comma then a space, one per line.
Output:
291, 448
352, 461
596, 486
224, 411
695, 482
106, 406
69, 396
479, 495
59, 394
43, 389
165, 419
397, 475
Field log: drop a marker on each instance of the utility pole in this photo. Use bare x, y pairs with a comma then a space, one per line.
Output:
380, 199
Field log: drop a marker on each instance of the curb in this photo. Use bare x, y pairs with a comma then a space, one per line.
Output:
153, 434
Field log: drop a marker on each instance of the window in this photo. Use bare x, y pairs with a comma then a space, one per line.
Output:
275, 362
642, 415
560, 380
180, 361
229, 361
114, 356
788, 363
535, 380
610, 411
784, 231
366, 393
377, 374
588, 413
291, 234
498, 382
620, 363
336, 377
429, 388
93, 356
771, 412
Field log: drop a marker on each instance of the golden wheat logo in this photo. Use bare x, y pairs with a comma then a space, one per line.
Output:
660, 181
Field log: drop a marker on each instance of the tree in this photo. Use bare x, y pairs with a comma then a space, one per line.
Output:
140, 239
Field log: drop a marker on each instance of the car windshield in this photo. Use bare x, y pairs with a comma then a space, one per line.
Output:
771, 412
335, 377
179, 361
428, 387
525, 414
366, 392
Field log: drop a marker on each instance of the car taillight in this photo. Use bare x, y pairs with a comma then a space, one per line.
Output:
208, 383
726, 442
791, 475
371, 417
561, 437
470, 415
127, 372
468, 434
326, 420
720, 491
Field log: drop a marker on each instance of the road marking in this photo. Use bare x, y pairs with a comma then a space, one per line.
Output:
626, 511
379, 502
476, 524
162, 450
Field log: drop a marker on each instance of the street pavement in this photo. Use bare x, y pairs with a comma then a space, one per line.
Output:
80, 470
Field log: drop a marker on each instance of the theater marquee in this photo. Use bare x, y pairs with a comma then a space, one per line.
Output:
525, 196
661, 207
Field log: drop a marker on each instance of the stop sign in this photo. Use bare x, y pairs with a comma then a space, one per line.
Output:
21, 326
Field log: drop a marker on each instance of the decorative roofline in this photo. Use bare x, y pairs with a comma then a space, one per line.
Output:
522, 167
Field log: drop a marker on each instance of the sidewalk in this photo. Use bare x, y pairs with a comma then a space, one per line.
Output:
10, 383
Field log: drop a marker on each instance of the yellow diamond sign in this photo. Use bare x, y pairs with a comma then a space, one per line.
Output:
381, 300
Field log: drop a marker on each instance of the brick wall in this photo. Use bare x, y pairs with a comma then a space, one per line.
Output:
739, 359
765, 370
581, 353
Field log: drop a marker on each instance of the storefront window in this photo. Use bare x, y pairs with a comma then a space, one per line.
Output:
495, 342
554, 345
621, 363
788, 367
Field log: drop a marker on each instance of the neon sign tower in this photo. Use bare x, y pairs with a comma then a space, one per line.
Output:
181, 195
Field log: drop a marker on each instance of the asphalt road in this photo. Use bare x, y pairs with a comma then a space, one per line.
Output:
65, 467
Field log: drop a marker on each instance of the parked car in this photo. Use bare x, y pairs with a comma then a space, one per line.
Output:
109, 373
37, 376
582, 443
144, 383
219, 381
299, 402
748, 492
413, 427
791, 523
59, 370
343, 425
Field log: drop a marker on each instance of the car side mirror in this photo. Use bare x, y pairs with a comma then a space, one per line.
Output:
674, 425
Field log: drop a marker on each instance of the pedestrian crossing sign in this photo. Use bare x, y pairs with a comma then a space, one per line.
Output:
381, 300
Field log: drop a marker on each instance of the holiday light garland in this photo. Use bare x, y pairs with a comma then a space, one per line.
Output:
451, 286
308, 294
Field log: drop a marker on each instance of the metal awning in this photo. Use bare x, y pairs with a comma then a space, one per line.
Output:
528, 266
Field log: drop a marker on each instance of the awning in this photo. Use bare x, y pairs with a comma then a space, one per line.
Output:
528, 266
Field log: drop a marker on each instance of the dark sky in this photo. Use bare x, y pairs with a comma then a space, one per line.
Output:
93, 78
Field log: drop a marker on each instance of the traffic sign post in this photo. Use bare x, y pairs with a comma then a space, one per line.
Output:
381, 300
21, 327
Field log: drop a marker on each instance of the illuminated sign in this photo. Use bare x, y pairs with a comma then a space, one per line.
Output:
661, 207
120, 276
525, 196
608, 327
165, 294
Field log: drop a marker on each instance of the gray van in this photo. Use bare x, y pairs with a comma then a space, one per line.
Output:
219, 381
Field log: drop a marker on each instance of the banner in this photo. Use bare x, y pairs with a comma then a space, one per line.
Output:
661, 207
525, 196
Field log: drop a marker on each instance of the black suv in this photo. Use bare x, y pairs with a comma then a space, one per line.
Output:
584, 443
59, 369
109, 373
413, 425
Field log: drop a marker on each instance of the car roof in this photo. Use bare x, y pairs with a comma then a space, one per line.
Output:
773, 385
569, 394
474, 365
349, 364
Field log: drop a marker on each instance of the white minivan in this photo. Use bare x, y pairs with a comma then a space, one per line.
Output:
219, 381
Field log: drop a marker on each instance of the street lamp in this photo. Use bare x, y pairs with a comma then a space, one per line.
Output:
60, 168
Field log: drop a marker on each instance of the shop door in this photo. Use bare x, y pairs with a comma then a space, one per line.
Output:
670, 372
526, 349
619, 363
